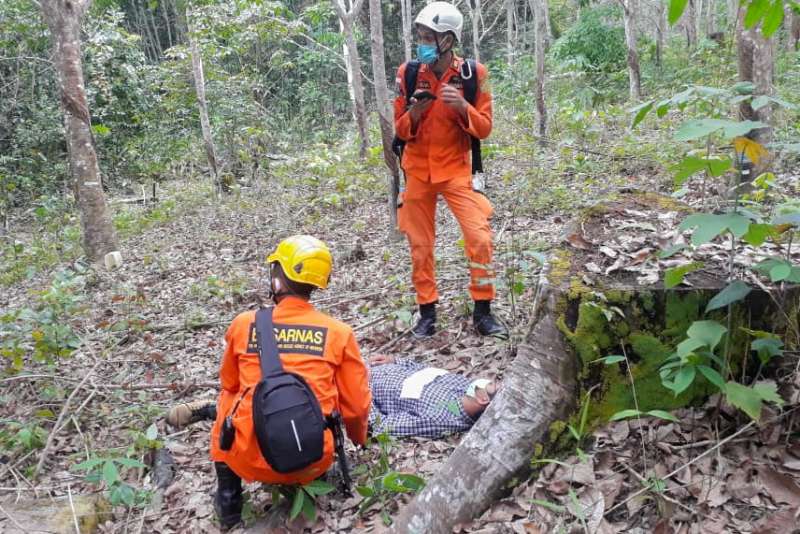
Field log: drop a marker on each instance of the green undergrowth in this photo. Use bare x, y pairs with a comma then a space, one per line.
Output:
644, 326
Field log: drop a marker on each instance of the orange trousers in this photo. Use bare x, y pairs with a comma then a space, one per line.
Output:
417, 219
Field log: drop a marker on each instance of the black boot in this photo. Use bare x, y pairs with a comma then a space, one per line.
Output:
485, 323
426, 325
228, 500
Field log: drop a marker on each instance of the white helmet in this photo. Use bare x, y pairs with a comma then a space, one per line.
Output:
441, 17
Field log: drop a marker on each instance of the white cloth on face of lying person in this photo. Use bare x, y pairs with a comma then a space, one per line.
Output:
435, 412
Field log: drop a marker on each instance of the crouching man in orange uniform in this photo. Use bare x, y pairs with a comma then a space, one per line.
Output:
322, 350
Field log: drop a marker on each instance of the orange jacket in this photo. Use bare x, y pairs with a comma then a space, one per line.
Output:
313, 345
439, 149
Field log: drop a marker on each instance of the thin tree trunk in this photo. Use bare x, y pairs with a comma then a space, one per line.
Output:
347, 18
700, 10
151, 17
793, 26
147, 36
539, 387
629, 8
733, 10
756, 64
548, 34
407, 18
205, 125
385, 116
661, 25
63, 17
690, 24
711, 14
165, 14
510, 12
539, 13
475, 15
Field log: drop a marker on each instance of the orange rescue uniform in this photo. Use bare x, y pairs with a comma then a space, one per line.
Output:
313, 345
437, 160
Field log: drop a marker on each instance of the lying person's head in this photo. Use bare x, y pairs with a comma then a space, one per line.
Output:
478, 395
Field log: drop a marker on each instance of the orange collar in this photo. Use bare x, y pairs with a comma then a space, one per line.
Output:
293, 302
455, 64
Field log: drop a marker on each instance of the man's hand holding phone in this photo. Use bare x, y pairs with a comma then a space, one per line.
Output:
420, 102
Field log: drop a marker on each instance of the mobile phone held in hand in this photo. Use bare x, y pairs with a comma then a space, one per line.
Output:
423, 95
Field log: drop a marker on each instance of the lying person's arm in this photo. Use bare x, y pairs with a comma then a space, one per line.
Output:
384, 359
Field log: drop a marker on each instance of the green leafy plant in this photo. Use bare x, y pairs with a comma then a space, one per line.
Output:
27, 437
109, 472
304, 498
592, 44
383, 484
44, 331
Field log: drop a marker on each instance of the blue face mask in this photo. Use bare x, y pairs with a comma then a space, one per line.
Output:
427, 53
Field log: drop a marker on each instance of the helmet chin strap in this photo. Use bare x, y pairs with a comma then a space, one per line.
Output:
439, 51
282, 290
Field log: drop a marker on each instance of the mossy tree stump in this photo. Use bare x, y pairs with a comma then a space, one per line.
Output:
583, 315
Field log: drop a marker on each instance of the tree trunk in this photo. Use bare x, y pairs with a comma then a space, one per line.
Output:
732, 12
548, 29
573, 327
538, 388
152, 19
629, 8
700, 11
661, 25
385, 115
407, 18
205, 125
63, 18
711, 14
356, 84
475, 15
690, 24
756, 65
538, 7
510, 47
164, 6
793, 26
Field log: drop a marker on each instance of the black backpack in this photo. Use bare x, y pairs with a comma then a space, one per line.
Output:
470, 94
287, 417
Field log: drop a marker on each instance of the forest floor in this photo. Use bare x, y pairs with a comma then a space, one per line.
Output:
152, 330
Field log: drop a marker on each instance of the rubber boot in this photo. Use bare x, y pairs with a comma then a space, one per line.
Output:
485, 323
426, 325
228, 500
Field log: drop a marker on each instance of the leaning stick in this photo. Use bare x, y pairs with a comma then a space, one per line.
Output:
57, 426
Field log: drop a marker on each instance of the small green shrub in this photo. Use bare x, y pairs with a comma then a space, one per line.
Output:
593, 44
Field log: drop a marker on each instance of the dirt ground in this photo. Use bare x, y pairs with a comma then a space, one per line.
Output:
152, 337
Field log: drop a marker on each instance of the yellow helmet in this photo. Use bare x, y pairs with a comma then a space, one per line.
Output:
304, 259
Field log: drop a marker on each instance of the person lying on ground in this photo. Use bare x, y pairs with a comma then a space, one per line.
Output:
412, 399
311, 344
408, 399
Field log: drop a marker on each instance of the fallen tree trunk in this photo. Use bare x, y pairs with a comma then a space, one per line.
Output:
601, 295
538, 388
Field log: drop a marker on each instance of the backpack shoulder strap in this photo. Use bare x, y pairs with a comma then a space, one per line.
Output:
268, 355
410, 78
469, 77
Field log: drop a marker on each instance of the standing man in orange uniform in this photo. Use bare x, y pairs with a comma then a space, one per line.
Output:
436, 123
322, 350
